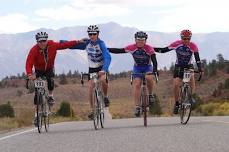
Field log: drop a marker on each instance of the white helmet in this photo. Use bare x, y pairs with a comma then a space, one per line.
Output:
41, 36
93, 29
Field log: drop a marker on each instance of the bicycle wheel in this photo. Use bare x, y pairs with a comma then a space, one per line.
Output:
39, 113
101, 111
46, 113
185, 107
144, 105
96, 110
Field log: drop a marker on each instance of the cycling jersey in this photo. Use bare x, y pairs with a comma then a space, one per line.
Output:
43, 60
141, 55
97, 53
184, 52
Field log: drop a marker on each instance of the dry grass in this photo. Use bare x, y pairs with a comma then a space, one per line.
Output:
120, 93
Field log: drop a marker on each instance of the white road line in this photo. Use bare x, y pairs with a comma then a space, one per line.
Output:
9, 136
225, 122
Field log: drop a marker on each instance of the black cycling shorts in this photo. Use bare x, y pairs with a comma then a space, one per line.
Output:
179, 71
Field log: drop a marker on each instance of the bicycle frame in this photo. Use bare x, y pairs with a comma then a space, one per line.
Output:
98, 103
185, 96
143, 96
43, 108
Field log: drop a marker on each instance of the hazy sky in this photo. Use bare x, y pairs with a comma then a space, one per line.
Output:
154, 15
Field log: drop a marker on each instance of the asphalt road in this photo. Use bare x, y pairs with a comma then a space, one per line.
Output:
164, 134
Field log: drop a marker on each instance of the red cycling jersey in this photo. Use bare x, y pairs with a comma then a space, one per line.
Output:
37, 57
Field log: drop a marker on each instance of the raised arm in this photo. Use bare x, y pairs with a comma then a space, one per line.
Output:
117, 50
65, 44
163, 50
79, 45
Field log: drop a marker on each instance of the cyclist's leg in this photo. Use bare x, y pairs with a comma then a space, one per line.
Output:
137, 85
178, 75
149, 79
49, 76
91, 86
105, 90
104, 84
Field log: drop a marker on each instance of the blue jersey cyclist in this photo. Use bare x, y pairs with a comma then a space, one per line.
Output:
98, 59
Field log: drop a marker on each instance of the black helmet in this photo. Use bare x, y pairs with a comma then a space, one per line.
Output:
141, 35
41, 36
93, 29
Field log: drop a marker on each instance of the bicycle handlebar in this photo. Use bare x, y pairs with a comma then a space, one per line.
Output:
88, 74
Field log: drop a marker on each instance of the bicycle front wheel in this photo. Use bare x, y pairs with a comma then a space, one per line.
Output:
39, 110
101, 112
144, 105
96, 117
185, 107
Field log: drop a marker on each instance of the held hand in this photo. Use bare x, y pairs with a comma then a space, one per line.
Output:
83, 40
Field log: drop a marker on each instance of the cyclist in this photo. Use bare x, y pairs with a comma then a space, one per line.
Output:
184, 51
42, 57
99, 61
142, 54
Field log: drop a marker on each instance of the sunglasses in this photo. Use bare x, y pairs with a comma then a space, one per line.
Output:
185, 38
141, 39
90, 34
42, 41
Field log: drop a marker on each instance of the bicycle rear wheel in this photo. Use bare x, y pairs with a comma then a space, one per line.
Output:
39, 110
96, 110
144, 105
185, 107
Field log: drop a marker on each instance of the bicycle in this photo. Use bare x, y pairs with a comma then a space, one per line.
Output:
144, 101
98, 99
43, 109
185, 107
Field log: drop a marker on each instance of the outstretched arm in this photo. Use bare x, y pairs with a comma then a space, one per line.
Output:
80, 45
117, 50
162, 50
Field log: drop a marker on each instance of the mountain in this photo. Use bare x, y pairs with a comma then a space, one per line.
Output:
15, 47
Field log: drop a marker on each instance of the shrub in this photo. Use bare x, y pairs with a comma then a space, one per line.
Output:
155, 109
65, 110
6, 110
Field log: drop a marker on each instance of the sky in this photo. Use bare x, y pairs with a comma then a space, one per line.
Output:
200, 16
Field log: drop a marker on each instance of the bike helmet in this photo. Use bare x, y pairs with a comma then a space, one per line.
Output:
93, 29
41, 36
140, 35
186, 33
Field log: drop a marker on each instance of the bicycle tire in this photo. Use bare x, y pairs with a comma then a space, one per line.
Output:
144, 105
101, 112
39, 113
95, 110
185, 106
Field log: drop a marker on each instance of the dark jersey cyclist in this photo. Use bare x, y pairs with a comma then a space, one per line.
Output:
185, 49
